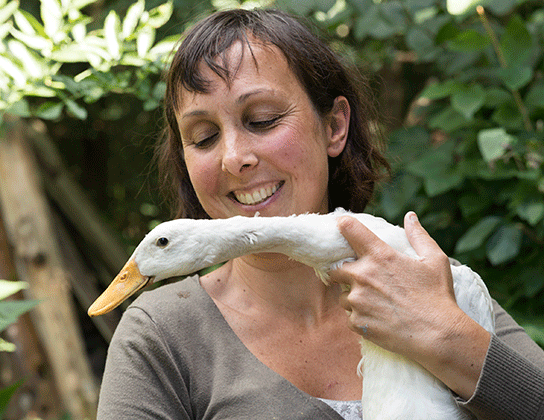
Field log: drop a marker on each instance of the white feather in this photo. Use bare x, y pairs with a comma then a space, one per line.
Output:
394, 387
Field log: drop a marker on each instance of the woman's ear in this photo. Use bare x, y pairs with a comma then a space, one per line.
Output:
338, 126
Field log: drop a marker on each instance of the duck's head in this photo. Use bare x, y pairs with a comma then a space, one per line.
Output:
168, 250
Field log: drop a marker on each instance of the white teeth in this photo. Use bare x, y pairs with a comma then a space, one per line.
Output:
257, 197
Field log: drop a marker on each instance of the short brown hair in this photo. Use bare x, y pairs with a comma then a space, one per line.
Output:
352, 174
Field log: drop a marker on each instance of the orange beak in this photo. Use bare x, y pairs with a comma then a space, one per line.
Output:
125, 284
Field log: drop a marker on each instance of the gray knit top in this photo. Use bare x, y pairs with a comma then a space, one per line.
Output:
173, 356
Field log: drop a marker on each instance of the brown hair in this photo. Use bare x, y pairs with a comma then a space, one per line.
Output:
352, 174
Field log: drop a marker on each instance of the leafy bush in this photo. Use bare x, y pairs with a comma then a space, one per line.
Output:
57, 64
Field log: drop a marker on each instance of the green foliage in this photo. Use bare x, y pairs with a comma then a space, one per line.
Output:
5, 396
57, 64
11, 310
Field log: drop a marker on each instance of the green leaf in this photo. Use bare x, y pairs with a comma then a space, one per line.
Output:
36, 42
449, 180
132, 18
434, 162
5, 396
161, 14
460, 7
8, 288
7, 346
11, 310
515, 77
516, 42
472, 204
406, 144
112, 26
420, 41
28, 23
535, 96
393, 12
508, 116
80, 4
14, 71
32, 64
75, 109
49, 110
145, 40
502, 7
437, 171
20, 108
361, 28
448, 120
477, 234
468, 100
440, 90
532, 211
504, 245
493, 143
467, 41
496, 96
51, 13
396, 194
535, 331
447, 32
7, 11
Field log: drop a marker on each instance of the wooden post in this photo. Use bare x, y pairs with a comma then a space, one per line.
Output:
38, 261
37, 396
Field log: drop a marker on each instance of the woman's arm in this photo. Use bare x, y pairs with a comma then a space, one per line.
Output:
511, 384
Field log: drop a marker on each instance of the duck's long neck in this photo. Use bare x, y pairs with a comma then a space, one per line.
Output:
311, 239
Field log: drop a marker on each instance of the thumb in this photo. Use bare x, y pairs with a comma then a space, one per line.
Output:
360, 238
421, 241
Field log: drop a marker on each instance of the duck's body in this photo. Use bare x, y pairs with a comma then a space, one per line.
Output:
394, 387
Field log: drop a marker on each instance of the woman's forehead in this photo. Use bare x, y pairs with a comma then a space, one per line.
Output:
245, 65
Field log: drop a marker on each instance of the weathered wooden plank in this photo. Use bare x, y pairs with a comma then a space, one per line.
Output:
74, 204
84, 282
37, 396
38, 261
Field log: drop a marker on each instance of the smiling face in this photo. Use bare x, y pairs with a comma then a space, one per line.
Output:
257, 143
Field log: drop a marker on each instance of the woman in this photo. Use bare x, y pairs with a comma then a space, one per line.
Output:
264, 118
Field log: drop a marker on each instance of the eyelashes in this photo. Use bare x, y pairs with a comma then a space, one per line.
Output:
252, 124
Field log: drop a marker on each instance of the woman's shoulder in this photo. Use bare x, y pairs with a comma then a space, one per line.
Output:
180, 305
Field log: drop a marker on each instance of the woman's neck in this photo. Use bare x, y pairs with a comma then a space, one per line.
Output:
274, 283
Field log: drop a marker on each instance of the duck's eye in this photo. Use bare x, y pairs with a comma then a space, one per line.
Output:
162, 242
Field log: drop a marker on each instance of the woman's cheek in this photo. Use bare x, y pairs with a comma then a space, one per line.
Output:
203, 176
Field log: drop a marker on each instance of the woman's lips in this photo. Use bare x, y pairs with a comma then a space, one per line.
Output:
256, 196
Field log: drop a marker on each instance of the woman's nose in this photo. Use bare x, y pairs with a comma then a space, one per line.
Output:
238, 155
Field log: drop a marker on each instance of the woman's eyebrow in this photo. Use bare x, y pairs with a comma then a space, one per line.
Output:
246, 95
241, 99
195, 113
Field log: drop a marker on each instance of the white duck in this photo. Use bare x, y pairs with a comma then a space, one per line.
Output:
394, 387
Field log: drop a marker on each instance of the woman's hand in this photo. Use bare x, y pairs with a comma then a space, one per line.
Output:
408, 306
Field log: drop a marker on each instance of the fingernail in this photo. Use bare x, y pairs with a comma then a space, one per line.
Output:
412, 217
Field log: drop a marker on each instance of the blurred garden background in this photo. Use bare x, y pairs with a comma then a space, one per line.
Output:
459, 87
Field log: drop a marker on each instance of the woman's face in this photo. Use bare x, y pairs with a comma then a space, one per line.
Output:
257, 144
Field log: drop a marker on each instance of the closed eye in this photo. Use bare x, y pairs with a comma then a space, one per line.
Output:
207, 142
264, 124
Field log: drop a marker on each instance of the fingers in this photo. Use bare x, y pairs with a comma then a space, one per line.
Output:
361, 239
421, 241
